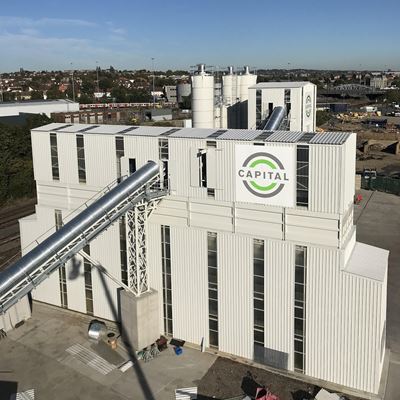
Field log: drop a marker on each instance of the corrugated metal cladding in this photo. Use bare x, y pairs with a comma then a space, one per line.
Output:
343, 328
196, 133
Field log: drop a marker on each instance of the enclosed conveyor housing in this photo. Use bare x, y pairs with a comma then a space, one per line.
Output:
275, 121
30, 270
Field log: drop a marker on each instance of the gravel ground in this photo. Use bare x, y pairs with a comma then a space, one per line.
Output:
223, 381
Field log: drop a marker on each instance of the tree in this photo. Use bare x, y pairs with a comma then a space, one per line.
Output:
87, 87
393, 96
322, 117
105, 83
36, 95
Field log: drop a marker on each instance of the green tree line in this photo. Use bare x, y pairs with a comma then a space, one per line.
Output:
16, 168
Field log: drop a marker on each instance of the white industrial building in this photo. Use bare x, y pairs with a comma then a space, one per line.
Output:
253, 251
298, 98
14, 108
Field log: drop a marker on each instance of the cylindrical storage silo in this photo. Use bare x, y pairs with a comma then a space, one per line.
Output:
202, 99
183, 89
245, 80
229, 87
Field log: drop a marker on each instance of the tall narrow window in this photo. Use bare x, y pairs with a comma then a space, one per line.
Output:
212, 288
270, 108
258, 293
123, 250
119, 152
87, 270
288, 105
302, 175
163, 150
299, 308
80, 148
203, 167
54, 157
166, 277
258, 107
61, 271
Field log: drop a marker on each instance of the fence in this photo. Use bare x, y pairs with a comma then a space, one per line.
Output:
382, 184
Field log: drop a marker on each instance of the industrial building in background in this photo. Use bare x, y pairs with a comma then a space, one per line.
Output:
238, 102
220, 105
297, 99
252, 251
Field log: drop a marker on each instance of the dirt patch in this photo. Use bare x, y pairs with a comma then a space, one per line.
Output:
223, 381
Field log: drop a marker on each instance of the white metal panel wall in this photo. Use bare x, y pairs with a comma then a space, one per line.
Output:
325, 184
296, 100
349, 171
279, 297
189, 273
106, 249
76, 284
49, 290
41, 156
100, 160
342, 323
155, 266
67, 158
235, 294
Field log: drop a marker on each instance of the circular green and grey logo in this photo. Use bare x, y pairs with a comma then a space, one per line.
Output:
263, 174
308, 106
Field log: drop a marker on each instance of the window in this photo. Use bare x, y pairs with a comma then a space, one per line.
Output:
54, 157
258, 291
211, 193
258, 107
123, 250
87, 270
203, 168
163, 151
120, 152
61, 271
299, 308
132, 166
166, 278
288, 104
302, 175
270, 108
81, 158
212, 288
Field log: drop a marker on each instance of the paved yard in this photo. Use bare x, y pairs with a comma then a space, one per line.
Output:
34, 356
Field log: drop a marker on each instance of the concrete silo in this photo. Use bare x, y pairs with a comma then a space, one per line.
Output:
202, 98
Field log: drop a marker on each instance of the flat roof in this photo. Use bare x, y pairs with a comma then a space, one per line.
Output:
36, 102
368, 261
278, 85
329, 138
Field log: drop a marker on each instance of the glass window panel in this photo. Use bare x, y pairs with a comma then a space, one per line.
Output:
212, 294
299, 274
259, 250
168, 296
212, 241
259, 267
213, 307
298, 361
169, 327
212, 259
212, 275
167, 264
213, 338
259, 336
169, 311
298, 326
166, 237
298, 346
302, 198
167, 251
259, 318
299, 256
302, 182
259, 304
213, 324
259, 284
302, 153
299, 312
299, 292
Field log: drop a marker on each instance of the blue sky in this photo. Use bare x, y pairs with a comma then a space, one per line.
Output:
338, 34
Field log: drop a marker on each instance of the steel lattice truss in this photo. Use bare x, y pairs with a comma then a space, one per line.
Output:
136, 243
142, 199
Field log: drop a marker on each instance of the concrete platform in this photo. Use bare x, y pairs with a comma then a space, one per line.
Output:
34, 356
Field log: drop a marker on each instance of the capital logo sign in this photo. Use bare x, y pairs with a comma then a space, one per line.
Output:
265, 176
308, 106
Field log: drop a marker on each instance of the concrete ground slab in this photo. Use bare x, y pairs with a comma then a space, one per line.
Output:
35, 356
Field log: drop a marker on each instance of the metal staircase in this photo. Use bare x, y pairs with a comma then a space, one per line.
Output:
136, 196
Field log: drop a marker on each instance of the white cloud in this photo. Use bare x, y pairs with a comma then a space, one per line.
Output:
20, 22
